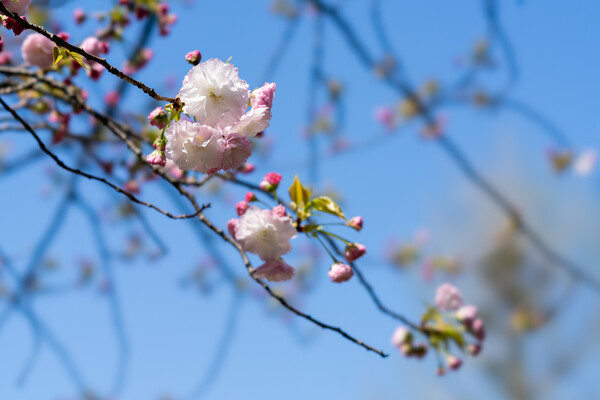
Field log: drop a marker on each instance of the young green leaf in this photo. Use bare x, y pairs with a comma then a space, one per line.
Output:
78, 58
57, 54
327, 205
299, 195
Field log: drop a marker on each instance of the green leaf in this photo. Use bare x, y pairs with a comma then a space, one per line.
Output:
78, 58
299, 195
57, 54
454, 333
327, 205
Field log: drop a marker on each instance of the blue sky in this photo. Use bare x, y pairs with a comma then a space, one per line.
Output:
400, 184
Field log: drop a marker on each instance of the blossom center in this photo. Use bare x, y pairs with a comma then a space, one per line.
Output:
216, 98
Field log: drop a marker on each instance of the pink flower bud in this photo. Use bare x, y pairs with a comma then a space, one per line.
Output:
279, 211
91, 45
79, 16
474, 349
247, 168
250, 197
354, 251
453, 362
241, 208
273, 178
356, 223
95, 71
158, 118
478, 329
441, 371
5, 58
132, 187
112, 98
141, 12
37, 50
275, 271
104, 47
340, 272
193, 57
264, 185
157, 158
467, 314
162, 9
401, 336
385, 116
64, 36
448, 297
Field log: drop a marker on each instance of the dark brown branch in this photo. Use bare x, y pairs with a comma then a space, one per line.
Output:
90, 57
61, 164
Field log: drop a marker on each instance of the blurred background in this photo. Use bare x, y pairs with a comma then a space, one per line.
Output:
127, 304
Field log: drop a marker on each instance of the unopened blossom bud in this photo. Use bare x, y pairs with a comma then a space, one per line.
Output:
340, 272
247, 168
453, 362
37, 50
467, 314
354, 251
95, 71
401, 336
385, 116
112, 98
103, 46
279, 211
478, 329
448, 297
356, 223
406, 349
158, 118
162, 9
474, 349
157, 158
273, 178
266, 186
193, 57
250, 197
91, 45
64, 36
241, 208
1, 44
141, 12
270, 182
79, 16
441, 371
5, 58
13, 25
132, 187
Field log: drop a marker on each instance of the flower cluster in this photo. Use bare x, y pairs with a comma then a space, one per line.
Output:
267, 234
455, 323
217, 99
37, 50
